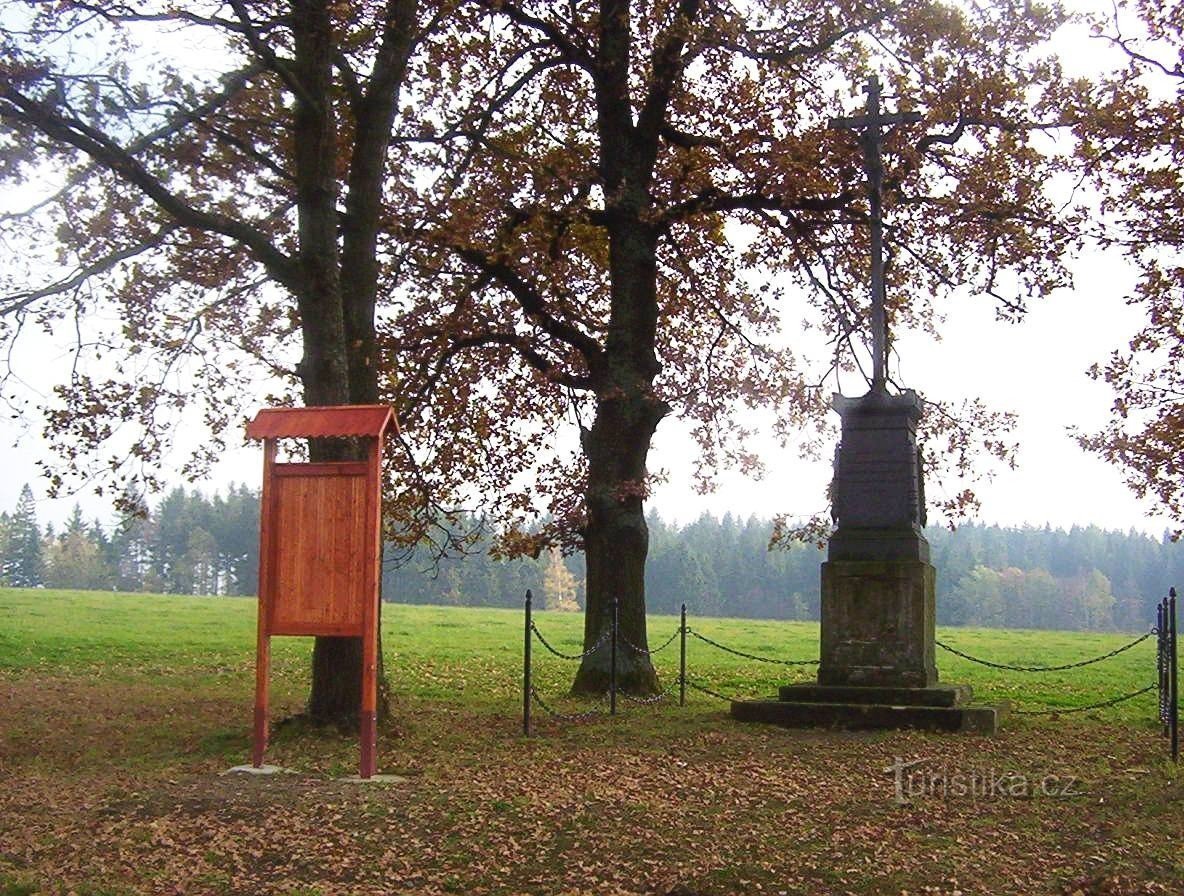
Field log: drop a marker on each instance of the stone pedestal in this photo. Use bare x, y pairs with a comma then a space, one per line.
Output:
876, 657
877, 623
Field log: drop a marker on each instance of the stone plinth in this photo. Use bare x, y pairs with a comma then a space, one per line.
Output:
877, 623
877, 584
878, 491
826, 706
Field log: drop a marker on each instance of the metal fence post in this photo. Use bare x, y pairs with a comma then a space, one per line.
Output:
612, 672
526, 669
1161, 663
682, 657
1173, 678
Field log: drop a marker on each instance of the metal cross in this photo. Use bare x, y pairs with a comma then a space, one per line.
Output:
872, 140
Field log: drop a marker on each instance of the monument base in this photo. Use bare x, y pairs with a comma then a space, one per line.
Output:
937, 708
877, 624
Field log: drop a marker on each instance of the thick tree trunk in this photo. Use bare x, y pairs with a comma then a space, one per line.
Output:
616, 540
335, 695
616, 544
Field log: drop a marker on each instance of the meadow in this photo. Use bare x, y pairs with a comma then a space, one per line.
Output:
121, 711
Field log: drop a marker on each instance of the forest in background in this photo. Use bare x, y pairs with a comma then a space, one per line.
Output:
1086, 578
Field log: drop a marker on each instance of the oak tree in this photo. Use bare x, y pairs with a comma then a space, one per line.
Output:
1132, 152
644, 197
219, 178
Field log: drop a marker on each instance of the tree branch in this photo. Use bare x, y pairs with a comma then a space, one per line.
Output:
715, 200
665, 68
103, 150
22, 300
534, 305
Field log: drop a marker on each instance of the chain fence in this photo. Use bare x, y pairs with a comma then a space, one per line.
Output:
749, 656
613, 640
1077, 665
1166, 665
570, 656
652, 650
1067, 710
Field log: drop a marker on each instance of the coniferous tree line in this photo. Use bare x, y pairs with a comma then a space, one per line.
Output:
187, 544
1085, 578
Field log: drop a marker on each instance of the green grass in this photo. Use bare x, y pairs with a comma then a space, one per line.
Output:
474, 656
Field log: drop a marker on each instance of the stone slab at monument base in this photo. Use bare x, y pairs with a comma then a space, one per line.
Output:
934, 708
876, 658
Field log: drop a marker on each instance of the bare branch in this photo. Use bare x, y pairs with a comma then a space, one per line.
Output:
22, 300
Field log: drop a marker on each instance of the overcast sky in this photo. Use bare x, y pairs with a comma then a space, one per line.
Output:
1036, 368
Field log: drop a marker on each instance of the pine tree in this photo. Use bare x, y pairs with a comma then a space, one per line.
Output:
23, 562
5, 523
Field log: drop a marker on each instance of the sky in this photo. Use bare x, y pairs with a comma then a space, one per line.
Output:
1036, 368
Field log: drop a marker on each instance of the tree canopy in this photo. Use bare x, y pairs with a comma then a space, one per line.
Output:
1132, 150
539, 229
218, 174
642, 198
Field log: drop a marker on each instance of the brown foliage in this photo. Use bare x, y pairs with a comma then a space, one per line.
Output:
666, 801
1132, 152
585, 218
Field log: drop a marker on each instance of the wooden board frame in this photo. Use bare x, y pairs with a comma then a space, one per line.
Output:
310, 528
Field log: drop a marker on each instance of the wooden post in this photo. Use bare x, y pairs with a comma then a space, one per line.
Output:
368, 723
263, 633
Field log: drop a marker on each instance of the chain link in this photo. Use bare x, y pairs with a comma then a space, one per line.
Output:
651, 651
750, 656
570, 656
1162, 648
1115, 701
651, 700
1077, 665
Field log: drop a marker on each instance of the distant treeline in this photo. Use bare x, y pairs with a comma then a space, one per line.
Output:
1084, 578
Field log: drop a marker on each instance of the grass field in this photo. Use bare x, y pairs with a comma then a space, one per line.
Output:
119, 712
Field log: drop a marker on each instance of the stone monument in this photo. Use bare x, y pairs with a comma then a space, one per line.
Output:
876, 660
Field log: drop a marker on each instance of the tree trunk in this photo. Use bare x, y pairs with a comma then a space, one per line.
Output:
616, 544
335, 696
337, 662
616, 540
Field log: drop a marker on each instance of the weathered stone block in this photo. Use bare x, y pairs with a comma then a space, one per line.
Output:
877, 625
971, 719
878, 480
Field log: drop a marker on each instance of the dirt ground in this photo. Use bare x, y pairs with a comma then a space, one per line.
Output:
115, 787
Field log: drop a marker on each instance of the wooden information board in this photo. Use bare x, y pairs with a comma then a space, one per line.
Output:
319, 548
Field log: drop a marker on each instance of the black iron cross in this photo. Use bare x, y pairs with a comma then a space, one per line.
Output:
872, 140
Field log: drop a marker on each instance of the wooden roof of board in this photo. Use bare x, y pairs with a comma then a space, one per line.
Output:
336, 420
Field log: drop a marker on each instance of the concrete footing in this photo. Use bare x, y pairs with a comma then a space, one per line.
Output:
937, 708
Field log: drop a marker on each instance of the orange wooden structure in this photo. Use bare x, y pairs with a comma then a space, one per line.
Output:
319, 548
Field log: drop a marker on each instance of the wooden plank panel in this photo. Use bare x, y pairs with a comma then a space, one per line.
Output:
320, 562
323, 468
